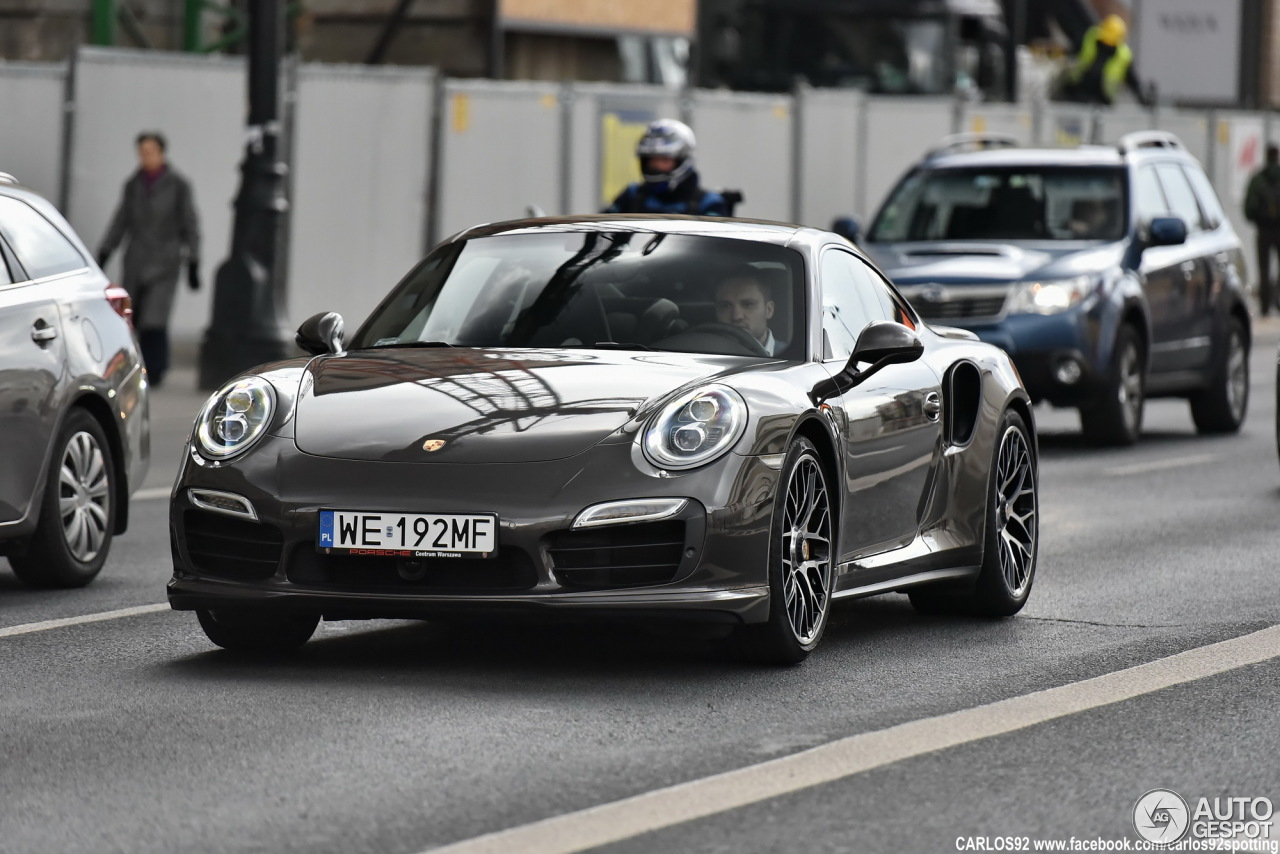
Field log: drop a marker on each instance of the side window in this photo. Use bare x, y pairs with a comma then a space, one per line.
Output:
1182, 199
41, 248
1148, 197
6, 277
1213, 214
850, 300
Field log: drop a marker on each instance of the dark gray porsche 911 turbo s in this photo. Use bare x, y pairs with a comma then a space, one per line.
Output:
615, 416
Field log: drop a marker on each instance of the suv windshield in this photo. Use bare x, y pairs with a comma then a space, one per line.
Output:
597, 289
1061, 203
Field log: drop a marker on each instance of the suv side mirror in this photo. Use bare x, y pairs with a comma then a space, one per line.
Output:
1166, 231
847, 227
321, 334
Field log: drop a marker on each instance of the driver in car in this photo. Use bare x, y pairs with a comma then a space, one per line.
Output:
743, 299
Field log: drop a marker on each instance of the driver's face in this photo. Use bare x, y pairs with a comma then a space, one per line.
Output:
742, 302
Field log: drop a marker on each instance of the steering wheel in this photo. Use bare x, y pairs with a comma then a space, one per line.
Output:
736, 333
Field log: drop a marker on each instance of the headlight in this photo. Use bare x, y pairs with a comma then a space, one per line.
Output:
235, 417
695, 428
1051, 297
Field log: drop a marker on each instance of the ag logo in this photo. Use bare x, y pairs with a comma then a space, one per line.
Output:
433, 445
1161, 815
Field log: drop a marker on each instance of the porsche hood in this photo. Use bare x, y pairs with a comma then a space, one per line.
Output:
455, 405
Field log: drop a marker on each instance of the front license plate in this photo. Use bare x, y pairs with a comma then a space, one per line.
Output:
409, 534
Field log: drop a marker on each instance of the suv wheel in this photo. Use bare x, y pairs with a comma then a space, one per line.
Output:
1221, 407
1116, 419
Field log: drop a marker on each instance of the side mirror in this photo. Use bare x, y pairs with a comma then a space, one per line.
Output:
847, 227
1166, 231
884, 342
321, 334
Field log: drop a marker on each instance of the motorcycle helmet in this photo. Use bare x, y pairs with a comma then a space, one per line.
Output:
666, 138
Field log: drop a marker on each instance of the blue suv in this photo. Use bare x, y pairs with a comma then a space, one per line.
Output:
1109, 273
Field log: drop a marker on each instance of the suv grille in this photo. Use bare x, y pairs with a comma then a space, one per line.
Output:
618, 556
509, 570
946, 303
231, 548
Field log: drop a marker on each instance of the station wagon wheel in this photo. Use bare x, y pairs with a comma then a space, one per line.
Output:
1116, 418
801, 562
77, 512
1012, 535
1222, 406
263, 632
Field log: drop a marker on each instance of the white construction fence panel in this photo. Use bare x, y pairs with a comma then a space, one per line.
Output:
31, 111
361, 161
829, 152
198, 103
1240, 148
606, 122
1065, 126
897, 132
1009, 119
500, 152
745, 144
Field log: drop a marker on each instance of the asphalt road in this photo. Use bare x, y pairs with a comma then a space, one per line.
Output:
134, 734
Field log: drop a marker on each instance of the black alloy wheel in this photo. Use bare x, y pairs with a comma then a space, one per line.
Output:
801, 562
1011, 541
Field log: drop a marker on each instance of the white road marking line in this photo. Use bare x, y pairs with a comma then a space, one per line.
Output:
44, 626
612, 822
1161, 465
152, 493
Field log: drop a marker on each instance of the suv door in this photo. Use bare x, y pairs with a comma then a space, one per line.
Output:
31, 364
1195, 312
890, 427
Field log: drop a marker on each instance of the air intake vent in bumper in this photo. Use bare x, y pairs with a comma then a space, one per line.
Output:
226, 547
618, 555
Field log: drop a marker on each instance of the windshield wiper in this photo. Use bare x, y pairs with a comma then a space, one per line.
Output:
405, 344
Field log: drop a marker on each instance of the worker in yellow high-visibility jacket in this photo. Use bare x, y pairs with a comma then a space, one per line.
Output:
1102, 64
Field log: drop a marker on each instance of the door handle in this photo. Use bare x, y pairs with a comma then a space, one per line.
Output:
42, 332
932, 405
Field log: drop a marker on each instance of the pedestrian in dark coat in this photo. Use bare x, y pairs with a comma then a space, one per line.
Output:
1262, 208
157, 214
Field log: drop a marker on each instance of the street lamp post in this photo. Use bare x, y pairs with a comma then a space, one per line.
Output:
245, 329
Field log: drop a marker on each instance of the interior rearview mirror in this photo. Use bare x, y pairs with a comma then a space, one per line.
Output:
321, 334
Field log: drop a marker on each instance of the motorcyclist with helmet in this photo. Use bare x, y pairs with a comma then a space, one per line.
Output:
671, 184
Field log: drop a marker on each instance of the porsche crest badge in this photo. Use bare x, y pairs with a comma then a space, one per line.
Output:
433, 445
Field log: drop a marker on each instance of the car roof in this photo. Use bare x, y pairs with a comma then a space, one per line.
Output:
778, 233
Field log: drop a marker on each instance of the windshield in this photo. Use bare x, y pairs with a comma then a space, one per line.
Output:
1071, 203
618, 289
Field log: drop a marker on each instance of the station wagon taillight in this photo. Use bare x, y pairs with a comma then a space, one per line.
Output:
121, 302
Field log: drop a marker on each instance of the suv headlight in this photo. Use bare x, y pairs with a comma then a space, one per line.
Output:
695, 428
1050, 297
235, 417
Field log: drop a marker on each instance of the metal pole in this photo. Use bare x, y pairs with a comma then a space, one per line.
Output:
103, 27
245, 330
191, 32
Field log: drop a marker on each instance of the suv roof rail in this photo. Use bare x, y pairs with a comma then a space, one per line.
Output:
1148, 139
6, 178
957, 142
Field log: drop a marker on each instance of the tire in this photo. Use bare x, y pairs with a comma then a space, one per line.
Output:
1012, 536
77, 513
801, 569
267, 632
1116, 419
1221, 407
